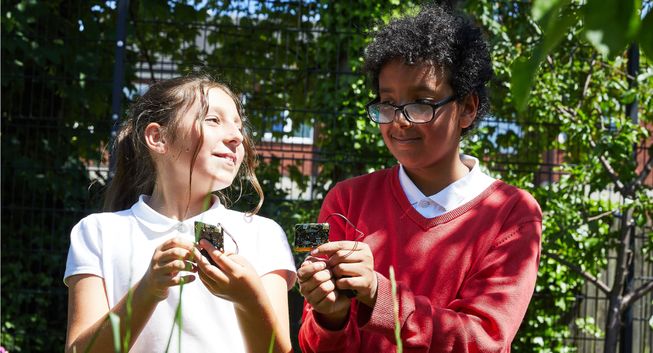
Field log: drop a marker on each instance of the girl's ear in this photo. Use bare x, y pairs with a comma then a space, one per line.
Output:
468, 108
154, 138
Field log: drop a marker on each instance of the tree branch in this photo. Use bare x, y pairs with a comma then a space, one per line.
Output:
645, 172
608, 168
633, 296
599, 216
588, 79
142, 46
624, 255
588, 276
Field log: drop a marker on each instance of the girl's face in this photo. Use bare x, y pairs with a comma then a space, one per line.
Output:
222, 151
427, 145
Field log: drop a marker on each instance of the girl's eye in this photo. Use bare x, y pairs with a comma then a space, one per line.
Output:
212, 119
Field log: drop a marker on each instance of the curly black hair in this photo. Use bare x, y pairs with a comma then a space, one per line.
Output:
442, 37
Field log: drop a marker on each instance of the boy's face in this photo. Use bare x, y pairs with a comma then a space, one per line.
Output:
428, 145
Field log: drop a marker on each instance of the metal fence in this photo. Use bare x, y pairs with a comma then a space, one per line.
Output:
41, 141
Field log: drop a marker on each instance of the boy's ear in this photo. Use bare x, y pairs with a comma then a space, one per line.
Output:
468, 108
154, 138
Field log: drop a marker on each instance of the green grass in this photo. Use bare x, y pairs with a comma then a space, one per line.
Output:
395, 307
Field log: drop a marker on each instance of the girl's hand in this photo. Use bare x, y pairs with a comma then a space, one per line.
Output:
317, 285
234, 279
168, 260
353, 269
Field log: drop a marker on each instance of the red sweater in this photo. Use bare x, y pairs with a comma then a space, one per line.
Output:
464, 279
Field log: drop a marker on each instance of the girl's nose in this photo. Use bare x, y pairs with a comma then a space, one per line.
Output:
234, 135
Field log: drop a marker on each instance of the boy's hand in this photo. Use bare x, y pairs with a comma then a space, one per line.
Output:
352, 264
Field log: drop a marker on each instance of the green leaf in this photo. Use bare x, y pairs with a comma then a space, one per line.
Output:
611, 24
523, 73
523, 70
646, 34
543, 7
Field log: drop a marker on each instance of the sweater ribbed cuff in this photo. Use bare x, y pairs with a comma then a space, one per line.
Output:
381, 318
331, 335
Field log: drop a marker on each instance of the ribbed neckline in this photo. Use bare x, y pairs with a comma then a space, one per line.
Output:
426, 223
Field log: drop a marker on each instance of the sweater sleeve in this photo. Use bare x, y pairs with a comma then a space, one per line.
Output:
315, 338
487, 312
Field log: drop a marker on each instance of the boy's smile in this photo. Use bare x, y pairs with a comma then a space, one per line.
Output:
428, 151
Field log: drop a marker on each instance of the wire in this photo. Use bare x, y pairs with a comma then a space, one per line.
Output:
224, 231
356, 239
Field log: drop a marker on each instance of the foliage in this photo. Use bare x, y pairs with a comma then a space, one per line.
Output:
53, 98
576, 106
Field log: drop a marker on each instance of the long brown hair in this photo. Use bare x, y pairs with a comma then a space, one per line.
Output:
164, 103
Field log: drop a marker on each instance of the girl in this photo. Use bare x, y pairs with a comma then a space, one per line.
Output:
184, 139
465, 247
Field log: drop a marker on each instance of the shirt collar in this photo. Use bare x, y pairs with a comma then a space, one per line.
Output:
159, 223
451, 196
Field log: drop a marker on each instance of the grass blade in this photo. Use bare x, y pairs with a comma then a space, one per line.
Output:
115, 326
271, 346
395, 307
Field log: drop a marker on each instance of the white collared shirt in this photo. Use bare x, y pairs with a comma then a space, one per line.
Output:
454, 195
118, 247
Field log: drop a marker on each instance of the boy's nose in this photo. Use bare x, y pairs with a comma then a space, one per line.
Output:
400, 119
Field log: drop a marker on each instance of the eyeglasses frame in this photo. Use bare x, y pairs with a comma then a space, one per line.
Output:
401, 108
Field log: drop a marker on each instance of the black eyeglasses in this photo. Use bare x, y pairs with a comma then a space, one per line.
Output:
415, 112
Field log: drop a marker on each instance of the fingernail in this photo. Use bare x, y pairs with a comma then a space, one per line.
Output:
314, 251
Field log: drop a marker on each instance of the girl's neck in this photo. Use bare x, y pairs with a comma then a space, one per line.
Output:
177, 205
433, 179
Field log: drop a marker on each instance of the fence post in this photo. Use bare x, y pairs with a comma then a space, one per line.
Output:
626, 336
118, 76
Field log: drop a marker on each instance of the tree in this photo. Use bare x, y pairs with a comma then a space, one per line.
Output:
586, 96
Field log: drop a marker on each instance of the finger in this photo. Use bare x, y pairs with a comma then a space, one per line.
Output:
332, 247
219, 257
212, 273
347, 256
227, 262
349, 269
173, 267
214, 253
175, 253
180, 280
327, 302
208, 283
320, 292
177, 242
308, 269
317, 279
355, 283
311, 259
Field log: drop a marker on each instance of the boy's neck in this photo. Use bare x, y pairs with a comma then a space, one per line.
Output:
434, 179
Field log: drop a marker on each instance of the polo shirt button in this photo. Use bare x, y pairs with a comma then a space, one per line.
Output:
424, 204
181, 228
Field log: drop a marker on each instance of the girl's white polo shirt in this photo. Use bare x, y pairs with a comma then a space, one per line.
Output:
118, 248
